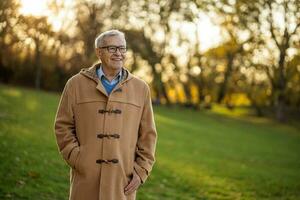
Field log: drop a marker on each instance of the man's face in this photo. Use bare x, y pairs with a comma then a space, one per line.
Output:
109, 58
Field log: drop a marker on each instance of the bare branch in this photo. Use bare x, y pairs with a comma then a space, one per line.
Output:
296, 28
287, 36
270, 20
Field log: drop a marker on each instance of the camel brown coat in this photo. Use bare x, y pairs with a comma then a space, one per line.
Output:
105, 138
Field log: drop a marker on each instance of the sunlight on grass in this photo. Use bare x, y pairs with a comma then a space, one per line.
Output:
235, 112
164, 119
258, 120
207, 185
12, 92
31, 104
242, 113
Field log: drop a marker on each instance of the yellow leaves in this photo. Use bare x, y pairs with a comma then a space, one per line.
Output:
220, 68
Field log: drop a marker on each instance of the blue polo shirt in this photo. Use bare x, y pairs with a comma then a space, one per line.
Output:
108, 85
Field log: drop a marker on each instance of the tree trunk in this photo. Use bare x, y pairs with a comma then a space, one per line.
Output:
187, 92
159, 85
280, 107
223, 87
37, 66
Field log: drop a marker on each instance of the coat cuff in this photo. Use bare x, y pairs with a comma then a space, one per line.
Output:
141, 172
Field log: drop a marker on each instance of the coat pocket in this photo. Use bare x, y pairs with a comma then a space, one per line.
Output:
78, 163
73, 157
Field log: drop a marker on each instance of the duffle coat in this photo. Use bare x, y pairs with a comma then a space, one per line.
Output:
105, 138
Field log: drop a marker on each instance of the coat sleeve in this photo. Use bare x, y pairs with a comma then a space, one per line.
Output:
146, 144
64, 126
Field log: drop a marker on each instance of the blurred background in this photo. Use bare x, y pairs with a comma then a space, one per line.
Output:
225, 81
194, 53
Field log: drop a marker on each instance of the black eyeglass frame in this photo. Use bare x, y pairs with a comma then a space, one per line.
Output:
113, 49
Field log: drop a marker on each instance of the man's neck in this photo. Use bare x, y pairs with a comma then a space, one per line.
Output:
110, 74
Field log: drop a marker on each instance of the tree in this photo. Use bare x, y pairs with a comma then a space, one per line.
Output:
260, 18
39, 31
8, 37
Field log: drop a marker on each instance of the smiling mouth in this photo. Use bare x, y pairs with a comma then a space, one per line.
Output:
116, 59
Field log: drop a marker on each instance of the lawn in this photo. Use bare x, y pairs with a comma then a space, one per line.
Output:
200, 155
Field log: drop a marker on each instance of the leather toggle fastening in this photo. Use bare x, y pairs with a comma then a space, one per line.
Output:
116, 136
116, 111
102, 111
100, 161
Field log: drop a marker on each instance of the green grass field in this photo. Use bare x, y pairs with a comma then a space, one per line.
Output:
200, 155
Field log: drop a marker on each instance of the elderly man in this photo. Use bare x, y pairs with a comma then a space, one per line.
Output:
105, 127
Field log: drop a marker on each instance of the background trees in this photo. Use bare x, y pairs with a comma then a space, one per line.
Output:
257, 56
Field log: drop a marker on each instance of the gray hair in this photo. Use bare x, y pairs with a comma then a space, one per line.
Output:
100, 40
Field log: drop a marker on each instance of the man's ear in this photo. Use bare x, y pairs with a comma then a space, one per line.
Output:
98, 52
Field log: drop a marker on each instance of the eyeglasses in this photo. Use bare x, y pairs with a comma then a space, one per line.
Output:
113, 49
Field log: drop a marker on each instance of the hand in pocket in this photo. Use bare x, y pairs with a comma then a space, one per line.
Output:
133, 184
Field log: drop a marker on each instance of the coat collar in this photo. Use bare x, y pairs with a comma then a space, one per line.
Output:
91, 73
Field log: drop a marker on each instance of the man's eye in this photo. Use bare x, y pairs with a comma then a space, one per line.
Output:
112, 48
